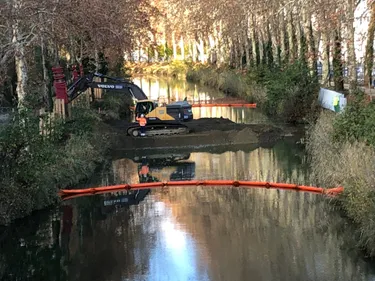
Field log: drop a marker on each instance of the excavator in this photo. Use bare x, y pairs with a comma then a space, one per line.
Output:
161, 120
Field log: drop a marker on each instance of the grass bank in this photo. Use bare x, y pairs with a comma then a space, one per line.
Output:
289, 92
342, 153
35, 166
173, 69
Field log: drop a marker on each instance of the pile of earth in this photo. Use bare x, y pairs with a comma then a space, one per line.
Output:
204, 132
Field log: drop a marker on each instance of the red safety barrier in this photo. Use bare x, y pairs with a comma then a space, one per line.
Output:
251, 105
72, 193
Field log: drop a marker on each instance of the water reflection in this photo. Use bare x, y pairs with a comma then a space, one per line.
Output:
189, 233
167, 90
168, 167
284, 162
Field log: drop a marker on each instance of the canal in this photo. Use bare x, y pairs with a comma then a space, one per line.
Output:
190, 233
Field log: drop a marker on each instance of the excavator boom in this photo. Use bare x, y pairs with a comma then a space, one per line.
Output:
117, 84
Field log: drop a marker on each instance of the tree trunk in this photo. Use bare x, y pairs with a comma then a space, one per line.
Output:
46, 82
247, 48
194, 50
202, 57
231, 53
164, 42
220, 45
72, 51
156, 53
325, 59
212, 52
262, 53
182, 48
254, 40
351, 48
291, 38
174, 46
310, 44
96, 55
337, 62
241, 52
369, 57
275, 45
20, 61
283, 47
299, 37
139, 53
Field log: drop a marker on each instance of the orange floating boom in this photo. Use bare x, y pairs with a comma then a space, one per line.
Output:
90, 191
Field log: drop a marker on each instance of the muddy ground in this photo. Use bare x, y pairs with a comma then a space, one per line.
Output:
204, 132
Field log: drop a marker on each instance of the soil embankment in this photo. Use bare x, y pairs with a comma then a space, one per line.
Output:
204, 132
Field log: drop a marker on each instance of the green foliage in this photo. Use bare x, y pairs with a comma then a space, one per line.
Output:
88, 64
161, 51
176, 68
291, 91
81, 122
168, 51
227, 80
338, 159
114, 106
34, 165
232, 83
193, 75
357, 122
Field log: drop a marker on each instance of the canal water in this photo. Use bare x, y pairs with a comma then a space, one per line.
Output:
168, 90
190, 233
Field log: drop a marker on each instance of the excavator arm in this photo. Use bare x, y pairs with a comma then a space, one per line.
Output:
117, 84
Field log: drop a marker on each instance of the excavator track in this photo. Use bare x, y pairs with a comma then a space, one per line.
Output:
158, 130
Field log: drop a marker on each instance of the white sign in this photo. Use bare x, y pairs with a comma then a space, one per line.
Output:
327, 98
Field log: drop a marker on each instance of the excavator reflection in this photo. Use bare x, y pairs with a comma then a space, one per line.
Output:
151, 168
161, 167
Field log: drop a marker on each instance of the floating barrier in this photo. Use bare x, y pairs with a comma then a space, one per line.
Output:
250, 105
72, 193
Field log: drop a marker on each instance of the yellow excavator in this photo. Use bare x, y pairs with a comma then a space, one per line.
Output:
161, 120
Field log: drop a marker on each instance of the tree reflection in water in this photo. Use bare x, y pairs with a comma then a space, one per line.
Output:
201, 233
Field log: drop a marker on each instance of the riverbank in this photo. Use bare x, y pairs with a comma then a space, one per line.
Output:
342, 154
35, 164
171, 69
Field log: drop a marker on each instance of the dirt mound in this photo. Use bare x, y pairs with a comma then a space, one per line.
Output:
204, 132
208, 124
244, 136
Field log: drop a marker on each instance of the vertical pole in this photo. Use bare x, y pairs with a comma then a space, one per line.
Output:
59, 84
75, 73
81, 73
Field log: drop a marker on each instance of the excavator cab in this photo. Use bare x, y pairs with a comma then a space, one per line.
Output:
162, 120
144, 107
